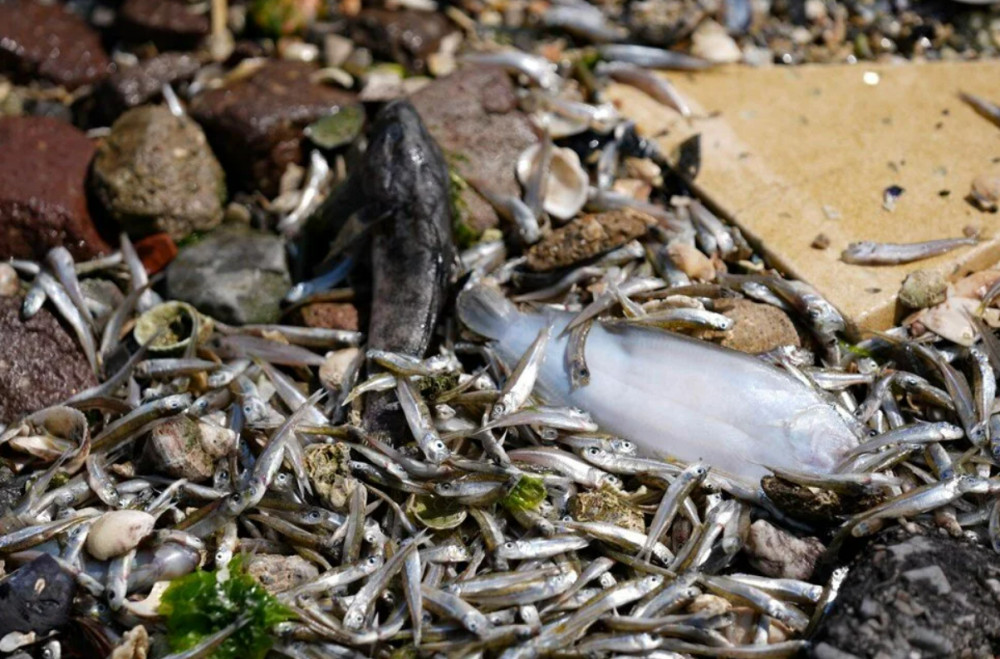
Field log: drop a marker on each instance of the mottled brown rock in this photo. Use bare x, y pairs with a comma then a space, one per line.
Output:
923, 288
186, 448
156, 173
586, 237
473, 115
813, 505
279, 573
330, 315
778, 553
758, 327
139, 84
169, 24
691, 261
40, 362
407, 36
255, 125
43, 200
47, 41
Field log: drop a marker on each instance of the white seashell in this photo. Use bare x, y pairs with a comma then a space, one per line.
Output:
117, 532
566, 190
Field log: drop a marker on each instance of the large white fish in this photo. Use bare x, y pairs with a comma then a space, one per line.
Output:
673, 395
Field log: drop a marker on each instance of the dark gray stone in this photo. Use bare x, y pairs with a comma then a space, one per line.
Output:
236, 275
156, 173
915, 596
36, 598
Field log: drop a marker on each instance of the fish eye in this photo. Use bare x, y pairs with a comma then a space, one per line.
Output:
472, 625
509, 545
439, 446
872, 432
445, 486
372, 560
314, 515
593, 450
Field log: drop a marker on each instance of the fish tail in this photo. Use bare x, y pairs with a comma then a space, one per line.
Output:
485, 310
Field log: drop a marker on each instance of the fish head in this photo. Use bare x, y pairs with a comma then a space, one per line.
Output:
472, 622
436, 450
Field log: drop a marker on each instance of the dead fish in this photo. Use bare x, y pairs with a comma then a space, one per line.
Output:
412, 251
661, 391
983, 108
653, 58
872, 253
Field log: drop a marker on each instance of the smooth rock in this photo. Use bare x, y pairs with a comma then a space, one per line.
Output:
473, 115
169, 24
142, 83
187, 448
36, 598
923, 288
118, 531
691, 261
915, 596
10, 283
711, 42
47, 41
156, 173
255, 125
758, 327
408, 36
279, 573
156, 251
43, 199
586, 237
40, 362
777, 553
236, 275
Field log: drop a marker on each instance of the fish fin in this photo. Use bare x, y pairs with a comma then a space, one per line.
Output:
485, 310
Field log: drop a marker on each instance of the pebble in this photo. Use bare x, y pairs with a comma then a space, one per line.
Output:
330, 315
711, 42
758, 327
118, 531
279, 573
46, 40
473, 115
691, 261
777, 553
156, 251
931, 577
821, 241
236, 274
256, 124
43, 197
10, 283
135, 85
169, 24
40, 361
407, 36
923, 288
36, 598
710, 605
586, 237
155, 173
186, 448
985, 192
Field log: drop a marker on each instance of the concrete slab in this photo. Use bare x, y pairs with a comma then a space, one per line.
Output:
790, 153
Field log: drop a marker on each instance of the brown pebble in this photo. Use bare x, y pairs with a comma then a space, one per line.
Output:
330, 315
778, 553
821, 241
691, 261
10, 283
279, 573
587, 237
758, 328
985, 192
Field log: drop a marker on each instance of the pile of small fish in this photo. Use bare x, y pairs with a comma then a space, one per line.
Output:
472, 503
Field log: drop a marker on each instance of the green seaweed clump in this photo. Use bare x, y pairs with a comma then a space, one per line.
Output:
528, 494
465, 235
199, 604
278, 18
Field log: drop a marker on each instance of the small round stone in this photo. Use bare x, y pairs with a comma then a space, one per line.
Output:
10, 283
923, 288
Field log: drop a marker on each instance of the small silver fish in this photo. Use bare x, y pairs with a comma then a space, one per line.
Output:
872, 253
